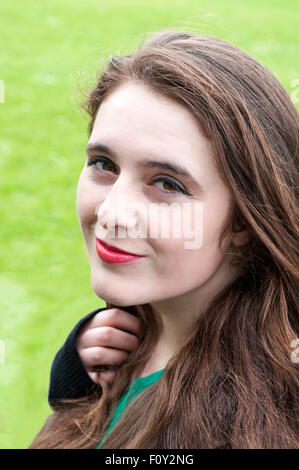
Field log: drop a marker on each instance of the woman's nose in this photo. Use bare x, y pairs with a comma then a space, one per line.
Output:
115, 217
118, 212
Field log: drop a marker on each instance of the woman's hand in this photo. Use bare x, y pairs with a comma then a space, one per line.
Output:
101, 342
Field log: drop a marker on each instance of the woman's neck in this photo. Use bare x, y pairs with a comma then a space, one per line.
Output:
158, 360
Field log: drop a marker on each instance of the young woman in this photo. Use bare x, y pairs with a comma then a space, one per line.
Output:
189, 121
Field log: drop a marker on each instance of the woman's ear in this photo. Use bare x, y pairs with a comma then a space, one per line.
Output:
240, 235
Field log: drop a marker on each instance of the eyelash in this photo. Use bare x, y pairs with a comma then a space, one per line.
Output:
179, 189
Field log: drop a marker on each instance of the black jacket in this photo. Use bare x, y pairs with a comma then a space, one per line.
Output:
68, 377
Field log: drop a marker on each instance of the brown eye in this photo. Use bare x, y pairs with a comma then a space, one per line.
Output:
169, 183
107, 164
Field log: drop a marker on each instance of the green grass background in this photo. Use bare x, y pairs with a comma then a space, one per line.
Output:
50, 51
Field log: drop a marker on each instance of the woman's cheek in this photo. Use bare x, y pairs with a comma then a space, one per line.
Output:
204, 260
86, 201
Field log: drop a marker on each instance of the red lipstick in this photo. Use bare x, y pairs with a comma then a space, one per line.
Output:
113, 255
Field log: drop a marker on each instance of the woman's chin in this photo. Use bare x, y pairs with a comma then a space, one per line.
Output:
110, 295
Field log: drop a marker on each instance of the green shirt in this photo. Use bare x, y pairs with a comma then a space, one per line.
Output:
136, 387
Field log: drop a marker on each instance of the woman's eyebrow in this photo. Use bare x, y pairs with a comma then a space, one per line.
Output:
164, 165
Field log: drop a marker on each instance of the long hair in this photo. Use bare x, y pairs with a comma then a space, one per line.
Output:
232, 383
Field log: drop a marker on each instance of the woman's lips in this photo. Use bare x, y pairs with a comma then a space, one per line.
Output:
113, 255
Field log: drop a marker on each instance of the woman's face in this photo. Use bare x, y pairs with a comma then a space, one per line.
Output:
139, 125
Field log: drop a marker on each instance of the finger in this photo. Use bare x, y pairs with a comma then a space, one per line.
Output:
110, 337
108, 376
93, 376
95, 356
117, 318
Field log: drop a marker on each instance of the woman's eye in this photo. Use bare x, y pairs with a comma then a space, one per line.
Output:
166, 181
106, 163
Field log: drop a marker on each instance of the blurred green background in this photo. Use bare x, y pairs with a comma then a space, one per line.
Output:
50, 52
